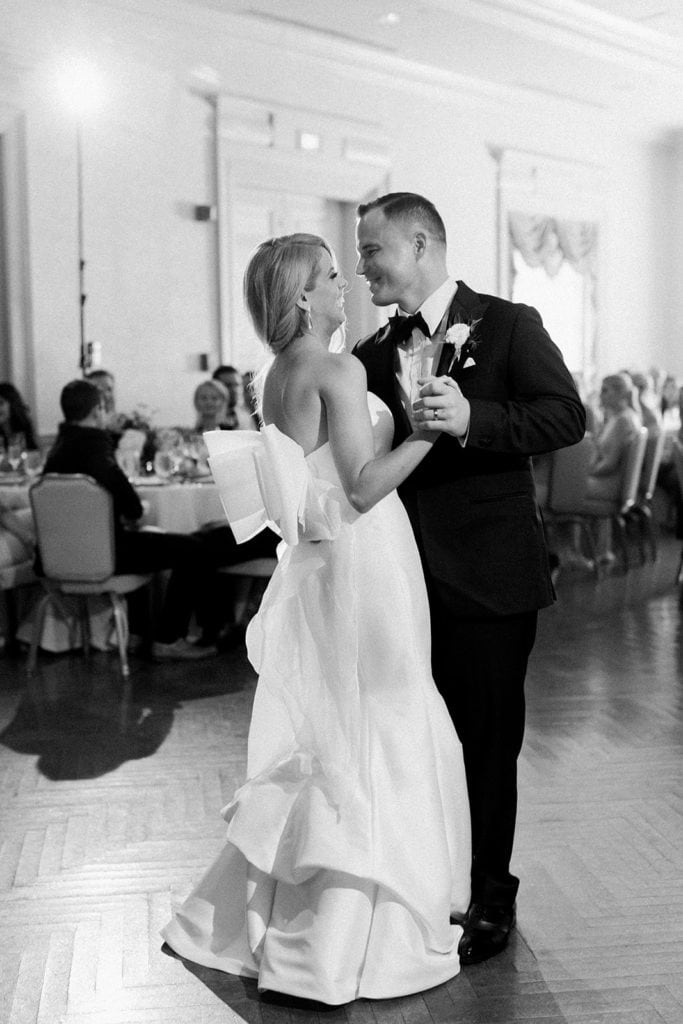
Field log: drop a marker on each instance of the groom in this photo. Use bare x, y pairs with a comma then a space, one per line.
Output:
486, 375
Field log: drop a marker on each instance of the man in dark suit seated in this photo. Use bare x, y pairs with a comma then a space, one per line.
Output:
83, 446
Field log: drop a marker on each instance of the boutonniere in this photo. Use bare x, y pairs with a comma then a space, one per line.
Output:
463, 339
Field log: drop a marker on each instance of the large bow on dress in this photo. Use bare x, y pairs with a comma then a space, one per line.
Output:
263, 480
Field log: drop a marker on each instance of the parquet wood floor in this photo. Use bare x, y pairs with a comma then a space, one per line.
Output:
109, 808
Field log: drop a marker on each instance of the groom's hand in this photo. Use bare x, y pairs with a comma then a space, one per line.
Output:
443, 407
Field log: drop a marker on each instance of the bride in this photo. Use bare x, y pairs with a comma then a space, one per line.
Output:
348, 847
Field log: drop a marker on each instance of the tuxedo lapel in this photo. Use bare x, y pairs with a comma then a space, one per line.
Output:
466, 308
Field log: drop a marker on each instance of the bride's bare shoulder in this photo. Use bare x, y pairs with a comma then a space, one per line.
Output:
342, 367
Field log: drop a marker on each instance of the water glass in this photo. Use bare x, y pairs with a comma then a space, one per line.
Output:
33, 464
164, 465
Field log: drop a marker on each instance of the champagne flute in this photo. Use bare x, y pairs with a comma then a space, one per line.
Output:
16, 451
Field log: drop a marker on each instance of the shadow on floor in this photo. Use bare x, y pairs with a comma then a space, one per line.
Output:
83, 720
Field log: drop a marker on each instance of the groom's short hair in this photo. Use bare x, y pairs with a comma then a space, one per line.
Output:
408, 206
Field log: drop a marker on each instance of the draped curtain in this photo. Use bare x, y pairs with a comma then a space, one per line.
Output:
547, 241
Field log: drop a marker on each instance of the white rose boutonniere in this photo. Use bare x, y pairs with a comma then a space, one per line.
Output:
461, 336
457, 335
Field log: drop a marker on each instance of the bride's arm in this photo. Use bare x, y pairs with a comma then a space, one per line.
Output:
366, 478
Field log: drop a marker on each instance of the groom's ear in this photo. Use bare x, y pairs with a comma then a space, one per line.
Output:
419, 243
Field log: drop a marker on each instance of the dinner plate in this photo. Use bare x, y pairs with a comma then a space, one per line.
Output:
150, 481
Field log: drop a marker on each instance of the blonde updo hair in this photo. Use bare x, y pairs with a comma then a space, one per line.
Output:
279, 272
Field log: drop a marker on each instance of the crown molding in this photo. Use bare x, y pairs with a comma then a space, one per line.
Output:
338, 56
172, 35
574, 25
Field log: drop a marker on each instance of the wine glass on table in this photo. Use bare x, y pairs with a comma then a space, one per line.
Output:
33, 464
164, 464
16, 451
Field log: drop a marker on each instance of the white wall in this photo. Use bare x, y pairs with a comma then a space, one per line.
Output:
147, 160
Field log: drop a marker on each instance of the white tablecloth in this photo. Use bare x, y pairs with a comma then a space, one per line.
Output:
177, 507
181, 508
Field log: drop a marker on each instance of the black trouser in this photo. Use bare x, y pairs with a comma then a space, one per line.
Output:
219, 549
139, 551
479, 665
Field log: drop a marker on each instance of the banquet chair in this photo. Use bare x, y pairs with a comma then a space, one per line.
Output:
641, 513
74, 521
247, 576
677, 459
566, 495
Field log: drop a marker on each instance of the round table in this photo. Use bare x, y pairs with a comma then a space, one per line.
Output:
179, 507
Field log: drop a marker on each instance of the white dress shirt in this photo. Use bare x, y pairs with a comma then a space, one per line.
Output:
419, 356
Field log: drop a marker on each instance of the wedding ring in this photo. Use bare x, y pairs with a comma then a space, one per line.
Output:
436, 414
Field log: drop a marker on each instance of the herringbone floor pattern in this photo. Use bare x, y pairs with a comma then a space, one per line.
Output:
109, 805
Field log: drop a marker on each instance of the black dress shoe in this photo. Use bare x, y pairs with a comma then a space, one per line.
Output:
486, 932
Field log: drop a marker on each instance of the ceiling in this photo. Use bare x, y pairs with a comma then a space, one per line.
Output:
612, 56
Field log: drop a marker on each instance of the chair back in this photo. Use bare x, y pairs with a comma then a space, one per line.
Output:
652, 460
677, 459
568, 476
633, 465
74, 520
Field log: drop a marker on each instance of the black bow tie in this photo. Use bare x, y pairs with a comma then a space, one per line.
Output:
402, 327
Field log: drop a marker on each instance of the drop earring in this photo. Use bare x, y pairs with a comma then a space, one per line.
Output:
309, 320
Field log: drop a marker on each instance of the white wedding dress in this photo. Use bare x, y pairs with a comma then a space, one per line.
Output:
349, 845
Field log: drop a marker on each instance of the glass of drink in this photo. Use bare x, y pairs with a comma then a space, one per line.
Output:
164, 465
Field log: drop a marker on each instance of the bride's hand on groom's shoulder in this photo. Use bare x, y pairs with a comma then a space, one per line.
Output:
441, 407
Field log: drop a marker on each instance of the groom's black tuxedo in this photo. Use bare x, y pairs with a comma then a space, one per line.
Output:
474, 509
477, 524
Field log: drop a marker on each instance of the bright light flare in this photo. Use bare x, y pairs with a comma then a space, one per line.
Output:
80, 86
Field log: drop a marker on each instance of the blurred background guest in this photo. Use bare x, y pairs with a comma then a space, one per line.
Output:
647, 404
211, 400
104, 380
621, 426
231, 378
83, 446
671, 415
238, 416
606, 471
667, 477
16, 424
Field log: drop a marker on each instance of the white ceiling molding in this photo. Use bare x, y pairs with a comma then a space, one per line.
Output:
337, 56
579, 26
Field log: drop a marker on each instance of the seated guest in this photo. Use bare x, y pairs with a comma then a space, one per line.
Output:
667, 477
671, 416
647, 404
211, 401
17, 538
238, 415
231, 379
621, 426
606, 470
104, 380
83, 446
15, 418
